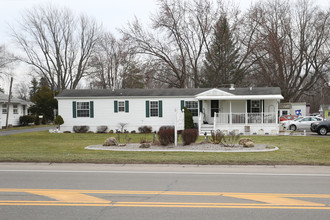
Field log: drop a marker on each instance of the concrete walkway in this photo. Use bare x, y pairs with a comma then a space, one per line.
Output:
26, 130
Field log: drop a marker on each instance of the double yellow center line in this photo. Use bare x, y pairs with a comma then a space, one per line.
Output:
67, 197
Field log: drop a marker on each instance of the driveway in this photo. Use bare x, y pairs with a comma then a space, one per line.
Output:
27, 130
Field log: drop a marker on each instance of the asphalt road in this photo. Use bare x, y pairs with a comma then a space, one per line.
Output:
26, 130
89, 191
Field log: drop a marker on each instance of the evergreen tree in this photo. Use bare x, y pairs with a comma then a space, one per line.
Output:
221, 60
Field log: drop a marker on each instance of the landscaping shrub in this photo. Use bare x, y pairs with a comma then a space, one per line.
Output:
37, 120
166, 136
44, 120
59, 120
166, 127
80, 129
133, 132
217, 136
188, 119
145, 129
189, 136
26, 120
101, 129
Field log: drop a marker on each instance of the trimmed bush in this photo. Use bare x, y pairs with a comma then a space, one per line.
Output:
59, 120
101, 129
189, 136
44, 120
26, 119
166, 127
37, 120
80, 129
145, 129
166, 136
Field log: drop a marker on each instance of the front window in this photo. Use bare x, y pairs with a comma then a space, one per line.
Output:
82, 109
154, 108
15, 109
255, 107
4, 108
192, 106
121, 106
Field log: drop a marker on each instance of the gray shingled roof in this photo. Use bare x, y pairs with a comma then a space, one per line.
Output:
4, 99
164, 92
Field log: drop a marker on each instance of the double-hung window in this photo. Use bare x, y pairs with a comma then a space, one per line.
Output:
15, 109
255, 106
83, 109
153, 108
121, 106
192, 106
4, 108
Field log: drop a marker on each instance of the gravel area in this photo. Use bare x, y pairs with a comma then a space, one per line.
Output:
187, 148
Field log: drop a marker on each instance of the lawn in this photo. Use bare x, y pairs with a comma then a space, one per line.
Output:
69, 148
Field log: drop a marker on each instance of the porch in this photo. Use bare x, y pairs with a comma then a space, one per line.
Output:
246, 123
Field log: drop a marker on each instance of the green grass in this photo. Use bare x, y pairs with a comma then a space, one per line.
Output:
69, 148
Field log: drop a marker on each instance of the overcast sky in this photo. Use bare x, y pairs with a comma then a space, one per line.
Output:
111, 13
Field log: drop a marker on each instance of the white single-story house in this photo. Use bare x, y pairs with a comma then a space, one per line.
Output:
247, 110
17, 108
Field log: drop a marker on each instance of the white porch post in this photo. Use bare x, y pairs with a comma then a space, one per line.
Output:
262, 112
246, 113
230, 113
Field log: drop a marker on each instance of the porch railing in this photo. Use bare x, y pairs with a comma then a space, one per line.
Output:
245, 118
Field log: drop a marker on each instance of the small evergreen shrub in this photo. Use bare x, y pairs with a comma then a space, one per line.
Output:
59, 120
133, 132
44, 120
37, 120
189, 136
188, 119
80, 129
145, 129
26, 119
101, 129
166, 136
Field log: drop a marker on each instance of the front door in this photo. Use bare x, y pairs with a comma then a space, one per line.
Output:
214, 107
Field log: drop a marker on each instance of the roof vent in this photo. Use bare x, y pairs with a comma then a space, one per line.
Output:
232, 87
251, 88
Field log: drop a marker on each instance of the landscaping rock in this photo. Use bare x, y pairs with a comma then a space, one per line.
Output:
145, 145
246, 142
111, 141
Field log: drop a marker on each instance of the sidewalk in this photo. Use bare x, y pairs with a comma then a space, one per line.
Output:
27, 130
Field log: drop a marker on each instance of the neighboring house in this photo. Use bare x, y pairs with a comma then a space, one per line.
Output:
294, 108
17, 108
244, 109
325, 110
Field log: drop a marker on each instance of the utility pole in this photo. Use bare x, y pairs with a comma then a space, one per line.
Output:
11, 84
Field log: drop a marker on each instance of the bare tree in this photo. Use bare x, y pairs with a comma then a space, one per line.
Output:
176, 41
291, 45
23, 91
57, 44
6, 59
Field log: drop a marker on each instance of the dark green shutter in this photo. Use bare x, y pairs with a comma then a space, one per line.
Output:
126, 106
249, 106
200, 105
147, 109
263, 106
160, 108
74, 109
91, 109
115, 106
182, 104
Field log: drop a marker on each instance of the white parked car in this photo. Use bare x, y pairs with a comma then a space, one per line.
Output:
301, 123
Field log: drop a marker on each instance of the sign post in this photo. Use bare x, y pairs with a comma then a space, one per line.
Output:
179, 125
